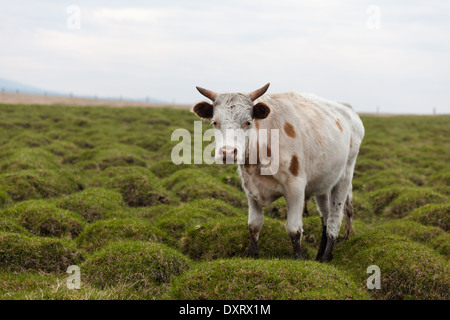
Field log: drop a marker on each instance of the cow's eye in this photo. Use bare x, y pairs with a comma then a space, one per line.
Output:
215, 123
247, 124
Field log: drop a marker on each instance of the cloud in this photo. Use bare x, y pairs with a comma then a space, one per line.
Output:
164, 49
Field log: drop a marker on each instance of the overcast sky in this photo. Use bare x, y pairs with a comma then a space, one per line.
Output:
391, 54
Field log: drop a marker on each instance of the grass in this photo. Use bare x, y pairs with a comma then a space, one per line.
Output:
42, 218
185, 184
139, 265
409, 270
94, 204
36, 184
96, 187
229, 237
19, 252
244, 279
139, 188
433, 214
100, 233
40, 286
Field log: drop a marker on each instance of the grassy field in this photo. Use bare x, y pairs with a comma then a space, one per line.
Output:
95, 187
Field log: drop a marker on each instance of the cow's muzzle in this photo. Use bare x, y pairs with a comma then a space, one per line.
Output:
228, 154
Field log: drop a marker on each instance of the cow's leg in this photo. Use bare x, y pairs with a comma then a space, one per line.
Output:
339, 195
323, 205
294, 227
305, 207
348, 210
255, 223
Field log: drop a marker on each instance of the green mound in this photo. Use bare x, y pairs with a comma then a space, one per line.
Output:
362, 207
176, 220
38, 286
185, 183
312, 230
9, 225
61, 148
380, 199
37, 184
5, 199
94, 204
245, 279
399, 201
441, 244
385, 180
139, 187
135, 263
413, 198
28, 139
409, 270
28, 158
276, 210
441, 180
433, 214
114, 155
19, 252
214, 205
100, 233
44, 219
229, 237
411, 229
164, 168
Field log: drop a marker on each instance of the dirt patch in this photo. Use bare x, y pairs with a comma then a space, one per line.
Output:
25, 98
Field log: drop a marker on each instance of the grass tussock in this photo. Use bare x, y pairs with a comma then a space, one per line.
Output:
44, 219
229, 237
94, 204
96, 187
100, 233
19, 252
245, 279
134, 263
408, 269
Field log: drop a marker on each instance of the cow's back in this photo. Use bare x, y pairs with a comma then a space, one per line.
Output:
311, 114
324, 134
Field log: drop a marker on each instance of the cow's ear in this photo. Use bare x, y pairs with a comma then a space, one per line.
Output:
260, 110
203, 110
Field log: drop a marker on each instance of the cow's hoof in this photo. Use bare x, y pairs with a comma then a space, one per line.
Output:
326, 258
328, 255
253, 250
299, 257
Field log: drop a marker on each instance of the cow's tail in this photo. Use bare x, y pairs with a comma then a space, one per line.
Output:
348, 213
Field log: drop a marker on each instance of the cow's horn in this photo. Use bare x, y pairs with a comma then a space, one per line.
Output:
207, 93
258, 93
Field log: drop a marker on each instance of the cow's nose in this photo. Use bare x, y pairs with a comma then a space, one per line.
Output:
228, 153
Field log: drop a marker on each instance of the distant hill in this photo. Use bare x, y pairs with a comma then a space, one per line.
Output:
13, 86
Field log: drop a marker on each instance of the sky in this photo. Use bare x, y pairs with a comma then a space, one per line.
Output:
390, 56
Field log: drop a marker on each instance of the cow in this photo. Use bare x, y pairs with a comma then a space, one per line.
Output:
318, 143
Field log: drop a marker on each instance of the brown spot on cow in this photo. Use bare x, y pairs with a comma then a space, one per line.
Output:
351, 142
290, 131
339, 125
294, 166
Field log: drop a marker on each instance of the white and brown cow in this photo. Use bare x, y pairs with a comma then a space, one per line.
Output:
318, 142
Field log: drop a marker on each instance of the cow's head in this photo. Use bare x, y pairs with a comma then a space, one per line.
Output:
232, 115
